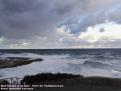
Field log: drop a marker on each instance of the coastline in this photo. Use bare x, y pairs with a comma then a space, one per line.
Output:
70, 81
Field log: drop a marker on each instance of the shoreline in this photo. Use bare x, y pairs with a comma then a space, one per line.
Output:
72, 81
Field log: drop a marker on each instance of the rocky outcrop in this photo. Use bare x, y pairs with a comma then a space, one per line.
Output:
70, 82
46, 78
76, 82
17, 61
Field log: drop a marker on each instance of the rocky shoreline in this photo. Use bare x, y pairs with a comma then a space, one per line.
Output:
17, 61
71, 82
74, 82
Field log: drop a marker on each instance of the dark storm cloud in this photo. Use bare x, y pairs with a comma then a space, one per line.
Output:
23, 20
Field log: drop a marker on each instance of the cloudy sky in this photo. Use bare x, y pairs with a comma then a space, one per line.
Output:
60, 24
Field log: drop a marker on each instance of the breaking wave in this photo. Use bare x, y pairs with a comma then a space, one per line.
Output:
83, 64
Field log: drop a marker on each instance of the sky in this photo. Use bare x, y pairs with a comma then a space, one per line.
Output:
46, 24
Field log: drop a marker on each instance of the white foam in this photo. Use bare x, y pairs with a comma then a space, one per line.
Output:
55, 64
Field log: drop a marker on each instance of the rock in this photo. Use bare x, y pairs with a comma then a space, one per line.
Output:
46, 78
72, 82
16, 61
75, 81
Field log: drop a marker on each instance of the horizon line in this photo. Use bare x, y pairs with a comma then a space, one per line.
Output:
54, 48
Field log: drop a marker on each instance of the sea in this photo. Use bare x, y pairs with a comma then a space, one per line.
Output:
85, 62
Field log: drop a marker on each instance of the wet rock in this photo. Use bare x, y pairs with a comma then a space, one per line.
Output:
16, 61
46, 78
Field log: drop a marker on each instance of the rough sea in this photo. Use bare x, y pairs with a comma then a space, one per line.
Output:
86, 62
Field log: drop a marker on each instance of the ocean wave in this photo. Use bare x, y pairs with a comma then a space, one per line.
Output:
95, 64
83, 64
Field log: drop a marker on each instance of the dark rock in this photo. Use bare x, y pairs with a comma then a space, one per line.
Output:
46, 78
72, 82
75, 81
16, 61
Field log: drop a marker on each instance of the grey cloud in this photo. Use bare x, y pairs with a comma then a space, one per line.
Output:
25, 19
101, 15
